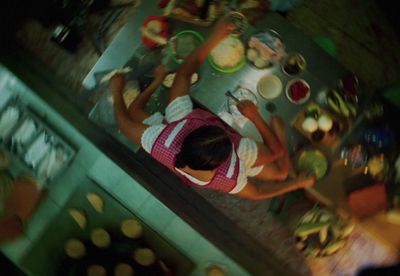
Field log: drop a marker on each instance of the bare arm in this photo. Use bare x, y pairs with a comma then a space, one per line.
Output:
272, 148
192, 63
136, 109
130, 128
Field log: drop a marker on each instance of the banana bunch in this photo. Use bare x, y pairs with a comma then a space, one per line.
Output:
340, 104
321, 233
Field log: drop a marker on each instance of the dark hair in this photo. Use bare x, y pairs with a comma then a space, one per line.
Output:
204, 149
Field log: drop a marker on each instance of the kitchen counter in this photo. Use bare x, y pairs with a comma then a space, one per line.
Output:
322, 72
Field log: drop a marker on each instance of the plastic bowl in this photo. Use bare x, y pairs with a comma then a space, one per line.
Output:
172, 51
269, 87
227, 70
233, 69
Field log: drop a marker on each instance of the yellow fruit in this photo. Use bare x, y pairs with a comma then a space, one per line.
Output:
144, 256
100, 238
96, 201
131, 228
78, 216
74, 248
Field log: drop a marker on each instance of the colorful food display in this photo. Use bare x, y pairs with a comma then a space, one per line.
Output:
318, 125
264, 49
342, 105
320, 233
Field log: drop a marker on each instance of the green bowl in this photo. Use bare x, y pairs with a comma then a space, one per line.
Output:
313, 161
227, 70
197, 35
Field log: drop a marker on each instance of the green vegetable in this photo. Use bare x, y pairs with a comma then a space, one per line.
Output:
352, 108
313, 111
347, 230
344, 110
334, 247
310, 228
323, 234
331, 102
301, 245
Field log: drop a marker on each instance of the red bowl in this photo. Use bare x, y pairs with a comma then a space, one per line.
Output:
298, 91
164, 30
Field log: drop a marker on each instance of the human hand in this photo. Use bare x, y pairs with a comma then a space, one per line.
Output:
222, 28
307, 180
160, 72
117, 83
248, 109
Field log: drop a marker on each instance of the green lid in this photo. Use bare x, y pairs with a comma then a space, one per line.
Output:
327, 44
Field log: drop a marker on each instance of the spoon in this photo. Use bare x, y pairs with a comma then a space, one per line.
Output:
230, 95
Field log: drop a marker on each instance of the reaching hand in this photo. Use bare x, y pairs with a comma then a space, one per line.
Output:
248, 109
307, 180
117, 83
222, 28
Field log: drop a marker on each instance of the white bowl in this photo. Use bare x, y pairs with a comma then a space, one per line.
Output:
269, 87
288, 95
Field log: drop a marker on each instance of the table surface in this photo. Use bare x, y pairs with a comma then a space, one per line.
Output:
322, 72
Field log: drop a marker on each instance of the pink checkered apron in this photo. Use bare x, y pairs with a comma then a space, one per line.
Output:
168, 145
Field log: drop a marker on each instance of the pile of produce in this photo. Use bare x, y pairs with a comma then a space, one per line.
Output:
342, 104
318, 123
320, 233
265, 48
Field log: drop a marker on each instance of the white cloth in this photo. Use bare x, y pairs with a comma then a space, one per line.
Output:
179, 108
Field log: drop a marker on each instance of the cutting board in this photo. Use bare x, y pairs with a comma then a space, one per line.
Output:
329, 140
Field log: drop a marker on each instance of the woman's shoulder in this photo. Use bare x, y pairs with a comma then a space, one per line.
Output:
178, 108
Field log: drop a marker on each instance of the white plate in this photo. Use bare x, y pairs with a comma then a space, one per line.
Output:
269, 87
303, 100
